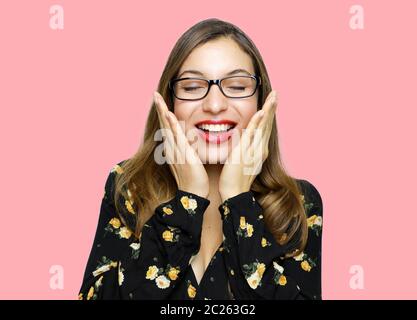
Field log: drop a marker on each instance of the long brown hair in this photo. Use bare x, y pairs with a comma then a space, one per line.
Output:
149, 184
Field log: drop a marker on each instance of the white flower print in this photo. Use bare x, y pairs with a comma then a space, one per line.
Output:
162, 282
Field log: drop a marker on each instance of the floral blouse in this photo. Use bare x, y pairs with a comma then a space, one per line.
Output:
249, 264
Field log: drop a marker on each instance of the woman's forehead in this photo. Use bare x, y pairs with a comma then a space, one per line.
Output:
201, 73
211, 69
217, 58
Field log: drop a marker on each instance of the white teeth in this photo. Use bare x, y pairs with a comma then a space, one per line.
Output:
215, 127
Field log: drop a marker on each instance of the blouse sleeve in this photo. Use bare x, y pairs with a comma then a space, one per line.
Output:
120, 266
256, 265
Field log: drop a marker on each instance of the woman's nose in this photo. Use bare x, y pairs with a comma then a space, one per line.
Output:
215, 101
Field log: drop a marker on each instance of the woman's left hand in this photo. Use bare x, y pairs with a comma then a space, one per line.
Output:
242, 167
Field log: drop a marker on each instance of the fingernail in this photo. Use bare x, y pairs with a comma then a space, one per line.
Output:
155, 97
261, 113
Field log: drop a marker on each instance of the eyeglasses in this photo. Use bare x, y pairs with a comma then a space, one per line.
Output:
191, 89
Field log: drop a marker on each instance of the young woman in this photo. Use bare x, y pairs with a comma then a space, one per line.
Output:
203, 227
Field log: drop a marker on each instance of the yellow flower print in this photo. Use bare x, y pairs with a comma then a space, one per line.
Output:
242, 223
282, 281
162, 276
173, 273
315, 223
264, 242
306, 262
302, 199
185, 202
114, 226
188, 203
152, 272
245, 229
167, 211
90, 293
253, 273
118, 169
306, 266
129, 207
125, 233
167, 235
226, 210
279, 278
260, 269
162, 282
191, 291
249, 229
310, 221
314, 220
115, 223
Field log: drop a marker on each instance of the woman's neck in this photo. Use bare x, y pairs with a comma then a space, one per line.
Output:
213, 172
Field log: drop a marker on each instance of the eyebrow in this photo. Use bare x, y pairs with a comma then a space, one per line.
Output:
199, 73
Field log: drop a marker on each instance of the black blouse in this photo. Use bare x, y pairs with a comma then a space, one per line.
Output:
249, 264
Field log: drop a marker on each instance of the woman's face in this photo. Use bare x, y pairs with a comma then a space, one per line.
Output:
215, 60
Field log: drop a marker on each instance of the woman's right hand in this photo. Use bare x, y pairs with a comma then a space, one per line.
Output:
189, 173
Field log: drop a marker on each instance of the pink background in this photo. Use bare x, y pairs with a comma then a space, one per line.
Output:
74, 102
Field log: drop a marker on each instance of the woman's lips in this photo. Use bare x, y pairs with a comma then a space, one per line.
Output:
216, 137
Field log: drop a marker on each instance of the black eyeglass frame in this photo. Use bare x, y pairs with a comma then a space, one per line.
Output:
217, 82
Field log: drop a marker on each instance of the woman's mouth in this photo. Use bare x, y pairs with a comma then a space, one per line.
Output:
216, 133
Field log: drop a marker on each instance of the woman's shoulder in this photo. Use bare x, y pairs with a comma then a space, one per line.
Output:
128, 209
312, 199
115, 169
